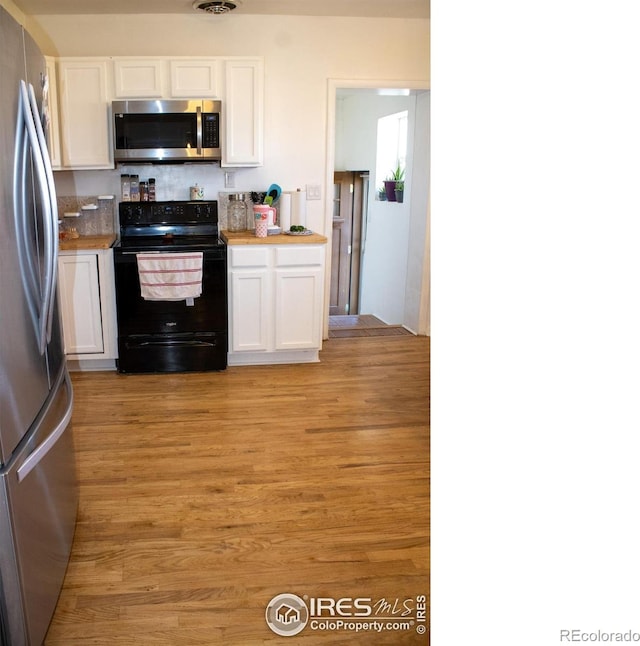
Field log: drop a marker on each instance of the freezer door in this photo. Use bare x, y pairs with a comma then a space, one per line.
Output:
26, 365
40, 501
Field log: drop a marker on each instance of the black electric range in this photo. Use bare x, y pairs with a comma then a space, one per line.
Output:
171, 335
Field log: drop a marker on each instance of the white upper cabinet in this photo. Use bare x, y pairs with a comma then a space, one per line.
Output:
135, 78
155, 78
193, 78
52, 123
243, 107
86, 87
85, 109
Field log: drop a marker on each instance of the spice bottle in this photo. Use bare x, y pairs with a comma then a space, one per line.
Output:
135, 189
144, 192
125, 188
152, 189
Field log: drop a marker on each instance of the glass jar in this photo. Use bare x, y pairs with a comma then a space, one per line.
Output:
237, 212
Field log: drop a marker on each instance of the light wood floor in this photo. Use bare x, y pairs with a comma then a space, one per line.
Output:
203, 496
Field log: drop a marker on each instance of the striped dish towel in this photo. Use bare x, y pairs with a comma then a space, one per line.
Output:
170, 276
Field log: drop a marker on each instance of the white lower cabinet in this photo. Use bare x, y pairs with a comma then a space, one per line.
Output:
86, 289
275, 303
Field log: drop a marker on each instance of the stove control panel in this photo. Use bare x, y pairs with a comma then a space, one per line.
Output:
157, 213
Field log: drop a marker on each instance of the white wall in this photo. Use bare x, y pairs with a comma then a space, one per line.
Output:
300, 55
416, 313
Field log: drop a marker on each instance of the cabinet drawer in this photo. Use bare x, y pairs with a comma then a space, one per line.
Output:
249, 256
299, 255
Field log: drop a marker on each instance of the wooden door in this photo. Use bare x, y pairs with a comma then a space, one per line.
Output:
348, 195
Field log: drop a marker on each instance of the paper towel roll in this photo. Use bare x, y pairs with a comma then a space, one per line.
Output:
299, 207
284, 211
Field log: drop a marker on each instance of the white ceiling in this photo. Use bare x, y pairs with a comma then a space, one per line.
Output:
349, 8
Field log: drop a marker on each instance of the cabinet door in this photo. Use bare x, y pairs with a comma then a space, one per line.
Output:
195, 79
52, 121
138, 78
107, 279
79, 294
298, 299
249, 300
84, 114
243, 113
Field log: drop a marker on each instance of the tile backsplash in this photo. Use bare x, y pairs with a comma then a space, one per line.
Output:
100, 213
98, 217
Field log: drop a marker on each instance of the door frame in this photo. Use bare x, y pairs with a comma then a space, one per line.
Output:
371, 84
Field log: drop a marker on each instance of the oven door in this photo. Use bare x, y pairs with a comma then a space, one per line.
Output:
172, 336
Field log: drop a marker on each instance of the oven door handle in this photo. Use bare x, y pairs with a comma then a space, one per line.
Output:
177, 343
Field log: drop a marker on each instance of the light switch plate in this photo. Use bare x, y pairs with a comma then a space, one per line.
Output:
313, 192
229, 179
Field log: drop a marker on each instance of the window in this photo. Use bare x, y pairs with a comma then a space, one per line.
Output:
391, 146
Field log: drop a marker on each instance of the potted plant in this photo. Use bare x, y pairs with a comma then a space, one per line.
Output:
382, 195
399, 191
397, 175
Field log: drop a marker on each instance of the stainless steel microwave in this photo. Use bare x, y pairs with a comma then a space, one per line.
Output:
166, 130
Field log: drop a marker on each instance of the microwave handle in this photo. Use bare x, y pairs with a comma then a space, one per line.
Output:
199, 129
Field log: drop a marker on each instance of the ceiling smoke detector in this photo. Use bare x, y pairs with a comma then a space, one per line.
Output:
217, 7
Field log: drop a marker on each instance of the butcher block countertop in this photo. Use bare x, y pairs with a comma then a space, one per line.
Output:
249, 237
87, 242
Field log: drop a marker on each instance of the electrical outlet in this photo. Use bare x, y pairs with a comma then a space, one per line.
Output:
229, 179
314, 191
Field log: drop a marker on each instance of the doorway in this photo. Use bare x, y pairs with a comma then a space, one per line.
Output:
394, 271
349, 194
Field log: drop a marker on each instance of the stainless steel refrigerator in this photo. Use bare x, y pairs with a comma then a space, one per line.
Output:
38, 493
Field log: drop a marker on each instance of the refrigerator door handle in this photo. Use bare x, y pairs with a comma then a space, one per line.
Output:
51, 222
28, 263
43, 334
48, 443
